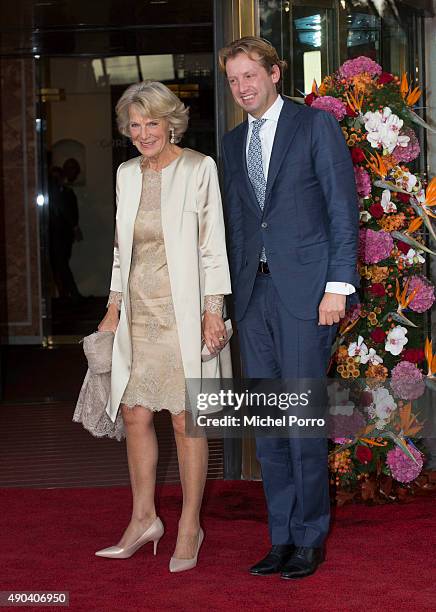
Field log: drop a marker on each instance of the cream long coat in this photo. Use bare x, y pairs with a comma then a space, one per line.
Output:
194, 236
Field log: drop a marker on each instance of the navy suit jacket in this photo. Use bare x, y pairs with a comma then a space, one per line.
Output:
309, 224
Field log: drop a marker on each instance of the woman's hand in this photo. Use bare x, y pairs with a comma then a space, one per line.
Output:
110, 320
214, 331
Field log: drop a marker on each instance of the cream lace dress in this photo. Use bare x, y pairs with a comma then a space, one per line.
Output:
157, 378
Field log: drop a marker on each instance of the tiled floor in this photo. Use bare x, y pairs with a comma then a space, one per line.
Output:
40, 445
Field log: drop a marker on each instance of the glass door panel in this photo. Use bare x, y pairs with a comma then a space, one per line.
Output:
80, 152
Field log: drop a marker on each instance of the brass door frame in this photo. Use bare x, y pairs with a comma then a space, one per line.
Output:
232, 20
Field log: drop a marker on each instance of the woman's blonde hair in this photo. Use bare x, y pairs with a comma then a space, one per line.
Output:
257, 49
155, 100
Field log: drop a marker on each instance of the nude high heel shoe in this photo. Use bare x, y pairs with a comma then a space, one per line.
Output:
152, 534
181, 565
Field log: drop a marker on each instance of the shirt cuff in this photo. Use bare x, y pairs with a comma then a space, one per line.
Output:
341, 288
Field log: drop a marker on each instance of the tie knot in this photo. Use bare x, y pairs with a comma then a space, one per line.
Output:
257, 124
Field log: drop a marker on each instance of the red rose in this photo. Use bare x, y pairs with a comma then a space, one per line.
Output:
414, 355
377, 289
378, 335
403, 247
310, 98
403, 197
357, 155
365, 399
376, 210
385, 77
363, 454
350, 112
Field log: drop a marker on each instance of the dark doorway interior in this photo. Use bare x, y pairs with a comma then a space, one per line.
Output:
86, 54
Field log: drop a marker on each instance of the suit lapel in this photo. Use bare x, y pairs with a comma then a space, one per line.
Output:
287, 126
247, 186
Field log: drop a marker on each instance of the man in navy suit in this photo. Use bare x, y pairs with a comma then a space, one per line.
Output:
292, 221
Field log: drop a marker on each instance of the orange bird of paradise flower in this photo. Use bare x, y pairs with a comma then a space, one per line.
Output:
402, 298
355, 102
408, 425
425, 210
430, 358
430, 198
377, 164
409, 95
414, 225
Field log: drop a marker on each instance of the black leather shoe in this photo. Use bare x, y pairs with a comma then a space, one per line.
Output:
274, 561
303, 562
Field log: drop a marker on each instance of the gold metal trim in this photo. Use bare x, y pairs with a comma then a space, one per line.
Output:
244, 22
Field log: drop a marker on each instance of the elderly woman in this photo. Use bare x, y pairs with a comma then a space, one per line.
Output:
169, 276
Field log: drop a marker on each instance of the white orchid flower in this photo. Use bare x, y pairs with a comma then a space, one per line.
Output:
412, 257
386, 202
384, 130
396, 339
358, 349
365, 216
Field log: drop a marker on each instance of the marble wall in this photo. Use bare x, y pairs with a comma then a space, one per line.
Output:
21, 312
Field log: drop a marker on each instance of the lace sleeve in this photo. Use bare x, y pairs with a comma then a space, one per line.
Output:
115, 297
214, 304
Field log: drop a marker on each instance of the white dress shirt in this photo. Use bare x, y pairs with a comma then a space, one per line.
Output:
266, 134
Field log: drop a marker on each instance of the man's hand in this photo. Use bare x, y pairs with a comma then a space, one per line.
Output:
331, 308
214, 331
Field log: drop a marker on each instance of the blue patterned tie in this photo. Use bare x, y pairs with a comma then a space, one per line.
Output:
255, 168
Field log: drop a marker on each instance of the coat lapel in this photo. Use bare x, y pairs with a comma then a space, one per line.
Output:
128, 218
287, 126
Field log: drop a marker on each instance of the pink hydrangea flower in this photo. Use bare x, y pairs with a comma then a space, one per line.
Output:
363, 181
344, 427
425, 295
407, 381
357, 66
411, 150
404, 469
374, 246
332, 105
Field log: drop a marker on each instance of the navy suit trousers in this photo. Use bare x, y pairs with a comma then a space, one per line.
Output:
276, 345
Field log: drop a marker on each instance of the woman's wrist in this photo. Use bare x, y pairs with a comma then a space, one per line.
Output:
114, 300
213, 304
112, 310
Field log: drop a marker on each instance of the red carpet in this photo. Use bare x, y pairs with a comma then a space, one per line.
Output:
378, 558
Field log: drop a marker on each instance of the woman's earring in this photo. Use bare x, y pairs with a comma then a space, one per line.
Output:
172, 136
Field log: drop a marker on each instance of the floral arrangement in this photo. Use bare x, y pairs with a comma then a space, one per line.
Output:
381, 344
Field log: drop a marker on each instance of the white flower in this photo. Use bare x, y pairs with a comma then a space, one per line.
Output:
396, 339
339, 399
372, 357
365, 216
344, 409
420, 195
412, 257
409, 181
387, 205
383, 129
358, 349
383, 404
380, 424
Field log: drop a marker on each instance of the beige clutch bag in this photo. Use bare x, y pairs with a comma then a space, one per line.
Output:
94, 394
206, 355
